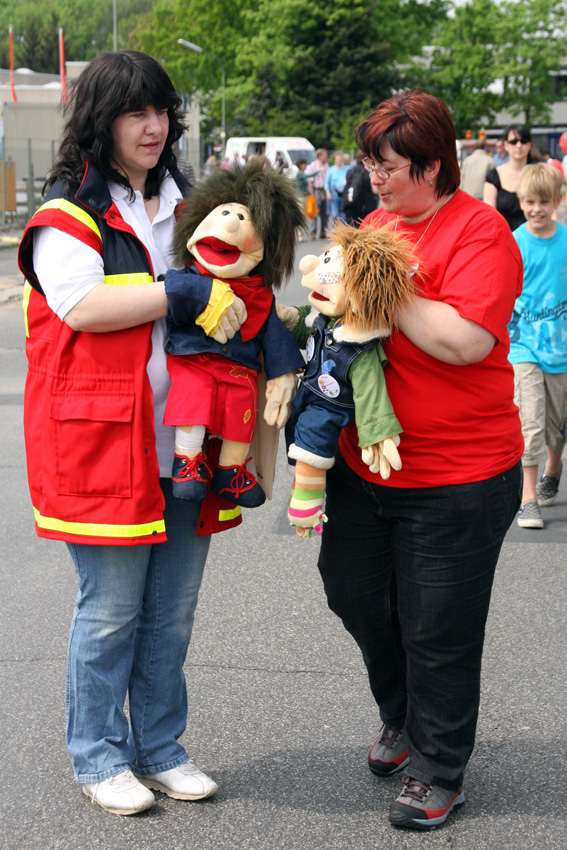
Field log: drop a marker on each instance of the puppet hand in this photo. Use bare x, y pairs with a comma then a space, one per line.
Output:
232, 320
280, 393
383, 455
306, 525
288, 315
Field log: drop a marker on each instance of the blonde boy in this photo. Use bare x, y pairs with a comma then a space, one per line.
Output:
538, 337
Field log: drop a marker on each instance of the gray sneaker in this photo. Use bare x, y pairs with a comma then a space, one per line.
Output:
547, 488
529, 516
389, 753
422, 806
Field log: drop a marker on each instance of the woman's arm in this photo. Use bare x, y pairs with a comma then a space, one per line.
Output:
436, 328
490, 194
114, 308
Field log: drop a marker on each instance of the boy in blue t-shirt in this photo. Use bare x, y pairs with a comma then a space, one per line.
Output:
538, 339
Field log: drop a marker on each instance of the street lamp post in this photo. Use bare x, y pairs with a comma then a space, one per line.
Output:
197, 49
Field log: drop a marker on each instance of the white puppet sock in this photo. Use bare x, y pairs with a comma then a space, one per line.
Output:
189, 443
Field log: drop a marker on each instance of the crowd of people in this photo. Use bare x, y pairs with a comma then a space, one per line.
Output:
407, 561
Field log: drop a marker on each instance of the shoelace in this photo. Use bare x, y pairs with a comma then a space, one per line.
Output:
191, 468
243, 480
117, 782
414, 789
390, 736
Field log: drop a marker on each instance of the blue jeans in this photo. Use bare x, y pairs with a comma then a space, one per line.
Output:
409, 572
129, 635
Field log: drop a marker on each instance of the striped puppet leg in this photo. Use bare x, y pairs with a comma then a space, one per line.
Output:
306, 505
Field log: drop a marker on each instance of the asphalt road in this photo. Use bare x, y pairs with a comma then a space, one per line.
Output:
280, 712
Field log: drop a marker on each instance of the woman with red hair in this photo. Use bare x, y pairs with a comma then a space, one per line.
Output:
408, 563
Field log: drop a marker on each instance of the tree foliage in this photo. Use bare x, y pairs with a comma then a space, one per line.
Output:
293, 67
87, 27
489, 57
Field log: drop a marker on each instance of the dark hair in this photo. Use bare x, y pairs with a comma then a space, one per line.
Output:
301, 161
520, 130
275, 210
110, 85
418, 126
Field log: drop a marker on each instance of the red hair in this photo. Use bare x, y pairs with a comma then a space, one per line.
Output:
419, 127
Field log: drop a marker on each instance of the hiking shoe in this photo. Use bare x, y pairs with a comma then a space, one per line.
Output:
185, 782
121, 794
238, 485
389, 753
529, 516
547, 488
189, 477
422, 806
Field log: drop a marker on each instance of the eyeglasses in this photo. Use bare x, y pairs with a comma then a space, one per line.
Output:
380, 171
517, 141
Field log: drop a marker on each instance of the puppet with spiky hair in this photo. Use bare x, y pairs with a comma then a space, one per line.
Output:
357, 287
236, 240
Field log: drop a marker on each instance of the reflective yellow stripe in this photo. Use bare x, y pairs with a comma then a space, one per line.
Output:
90, 529
26, 304
71, 209
128, 279
224, 516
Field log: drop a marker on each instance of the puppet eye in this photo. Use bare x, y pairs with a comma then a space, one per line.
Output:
226, 212
327, 259
240, 216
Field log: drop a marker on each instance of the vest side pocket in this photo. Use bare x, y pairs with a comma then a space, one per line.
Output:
93, 443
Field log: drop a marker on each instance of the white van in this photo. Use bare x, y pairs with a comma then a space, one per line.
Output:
289, 148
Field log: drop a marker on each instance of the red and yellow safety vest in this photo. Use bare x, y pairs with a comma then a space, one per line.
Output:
88, 407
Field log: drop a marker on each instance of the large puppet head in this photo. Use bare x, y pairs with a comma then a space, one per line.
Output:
241, 220
365, 276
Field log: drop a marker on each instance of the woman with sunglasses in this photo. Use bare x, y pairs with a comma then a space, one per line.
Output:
408, 563
501, 186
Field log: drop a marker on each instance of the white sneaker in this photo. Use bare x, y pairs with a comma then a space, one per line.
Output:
185, 782
121, 794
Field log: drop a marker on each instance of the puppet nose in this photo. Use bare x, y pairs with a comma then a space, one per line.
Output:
232, 223
308, 263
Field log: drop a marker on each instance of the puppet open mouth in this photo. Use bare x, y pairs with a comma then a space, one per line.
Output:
216, 252
317, 296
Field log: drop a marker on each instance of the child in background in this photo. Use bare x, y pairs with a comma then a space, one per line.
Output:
538, 337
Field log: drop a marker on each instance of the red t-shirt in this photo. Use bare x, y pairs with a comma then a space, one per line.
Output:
460, 423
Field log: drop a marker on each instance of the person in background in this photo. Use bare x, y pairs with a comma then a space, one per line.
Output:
500, 155
99, 457
408, 563
538, 331
474, 170
501, 186
358, 197
302, 188
316, 172
210, 166
334, 186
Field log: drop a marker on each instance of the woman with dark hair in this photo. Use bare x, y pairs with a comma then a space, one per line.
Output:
501, 186
408, 563
99, 456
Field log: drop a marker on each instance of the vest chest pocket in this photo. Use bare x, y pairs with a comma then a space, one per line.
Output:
93, 443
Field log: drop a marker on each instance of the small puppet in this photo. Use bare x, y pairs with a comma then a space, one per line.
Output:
236, 240
357, 287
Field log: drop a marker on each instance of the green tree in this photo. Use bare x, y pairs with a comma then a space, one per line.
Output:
462, 64
533, 45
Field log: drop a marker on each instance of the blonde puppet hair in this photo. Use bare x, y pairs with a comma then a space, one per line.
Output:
377, 271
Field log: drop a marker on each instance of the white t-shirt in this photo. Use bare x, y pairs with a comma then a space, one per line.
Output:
83, 270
